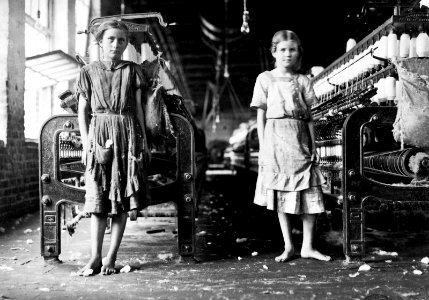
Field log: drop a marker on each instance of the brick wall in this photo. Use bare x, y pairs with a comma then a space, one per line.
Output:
19, 191
19, 179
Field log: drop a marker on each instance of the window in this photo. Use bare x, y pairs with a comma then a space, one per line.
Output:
38, 10
37, 110
37, 27
50, 70
82, 22
38, 35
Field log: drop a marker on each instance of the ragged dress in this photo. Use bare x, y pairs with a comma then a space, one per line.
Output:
114, 178
288, 181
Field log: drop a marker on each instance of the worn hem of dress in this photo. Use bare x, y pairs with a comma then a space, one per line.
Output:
294, 213
95, 205
292, 183
314, 212
309, 202
315, 179
261, 194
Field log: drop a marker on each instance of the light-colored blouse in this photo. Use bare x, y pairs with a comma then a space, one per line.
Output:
281, 97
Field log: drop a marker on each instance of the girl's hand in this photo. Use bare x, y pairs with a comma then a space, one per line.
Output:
84, 155
259, 155
315, 157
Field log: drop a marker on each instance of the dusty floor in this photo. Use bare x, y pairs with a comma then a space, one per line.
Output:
237, 243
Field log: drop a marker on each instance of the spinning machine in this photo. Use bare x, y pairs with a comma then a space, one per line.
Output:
173, 172
363, 162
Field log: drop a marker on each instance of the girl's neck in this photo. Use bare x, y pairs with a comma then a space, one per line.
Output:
110, 63
284, 72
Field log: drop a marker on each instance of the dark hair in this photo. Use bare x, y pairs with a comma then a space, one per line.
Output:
287, 35
109, 24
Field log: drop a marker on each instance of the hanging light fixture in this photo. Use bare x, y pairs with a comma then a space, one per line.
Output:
245, 27
122, 7
38, 25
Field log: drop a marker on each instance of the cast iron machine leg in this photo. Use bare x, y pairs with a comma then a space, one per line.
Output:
359, 189
186, 170
54, 193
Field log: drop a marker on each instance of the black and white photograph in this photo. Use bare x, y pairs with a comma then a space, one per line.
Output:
214, 149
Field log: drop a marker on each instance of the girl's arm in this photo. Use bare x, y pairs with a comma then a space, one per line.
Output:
314, 156
140, 114
261, 118
141, 119
83, 125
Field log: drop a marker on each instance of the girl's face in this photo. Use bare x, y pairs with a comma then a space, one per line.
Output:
113, 44
286, 54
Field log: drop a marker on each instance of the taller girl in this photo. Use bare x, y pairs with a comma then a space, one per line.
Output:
289, 180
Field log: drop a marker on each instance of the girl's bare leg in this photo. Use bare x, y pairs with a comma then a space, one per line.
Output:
287, 237
307, 250
118, 227
98, 227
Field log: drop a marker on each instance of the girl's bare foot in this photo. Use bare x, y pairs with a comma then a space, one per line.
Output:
108, 267
286, 255
312, 253
92, 267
